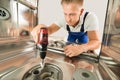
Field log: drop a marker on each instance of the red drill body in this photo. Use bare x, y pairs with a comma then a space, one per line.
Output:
43, 42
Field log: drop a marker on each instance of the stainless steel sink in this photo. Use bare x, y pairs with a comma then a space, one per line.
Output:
57, 67
60, 69
113, 65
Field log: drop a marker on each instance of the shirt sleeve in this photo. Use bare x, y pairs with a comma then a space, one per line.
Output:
91, 22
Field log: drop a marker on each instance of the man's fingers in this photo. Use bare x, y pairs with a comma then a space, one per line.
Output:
35, 32
67, 52
35, 36
70, 54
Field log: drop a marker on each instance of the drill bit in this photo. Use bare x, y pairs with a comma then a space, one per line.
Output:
42, 63
42, 55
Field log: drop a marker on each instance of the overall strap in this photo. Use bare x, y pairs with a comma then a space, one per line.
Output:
68, 29
82, 26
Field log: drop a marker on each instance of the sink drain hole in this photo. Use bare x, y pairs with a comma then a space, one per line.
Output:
49, 72
36, 72
85, 75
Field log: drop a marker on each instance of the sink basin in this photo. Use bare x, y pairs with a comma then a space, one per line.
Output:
57, 67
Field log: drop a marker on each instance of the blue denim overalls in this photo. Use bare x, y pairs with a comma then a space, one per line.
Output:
78, 37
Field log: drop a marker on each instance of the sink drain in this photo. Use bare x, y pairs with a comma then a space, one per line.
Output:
83, 74
50, 72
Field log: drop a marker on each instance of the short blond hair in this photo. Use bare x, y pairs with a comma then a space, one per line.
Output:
72, 1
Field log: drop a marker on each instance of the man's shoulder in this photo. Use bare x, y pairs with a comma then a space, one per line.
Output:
91, 22
92, 14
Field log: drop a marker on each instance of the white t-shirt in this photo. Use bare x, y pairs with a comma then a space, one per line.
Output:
90, 24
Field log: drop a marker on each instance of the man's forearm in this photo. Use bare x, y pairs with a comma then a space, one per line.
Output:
91, 45
52, 28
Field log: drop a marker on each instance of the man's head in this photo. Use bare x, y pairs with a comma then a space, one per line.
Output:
72, 11
80, 2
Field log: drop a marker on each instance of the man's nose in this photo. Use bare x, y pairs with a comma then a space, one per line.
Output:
68, 18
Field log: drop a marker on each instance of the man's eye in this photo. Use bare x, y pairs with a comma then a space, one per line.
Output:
72, 14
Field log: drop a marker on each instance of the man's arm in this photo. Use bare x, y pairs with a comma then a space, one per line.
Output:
51, 29
94, 43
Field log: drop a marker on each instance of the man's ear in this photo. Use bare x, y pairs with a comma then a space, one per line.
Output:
81, 11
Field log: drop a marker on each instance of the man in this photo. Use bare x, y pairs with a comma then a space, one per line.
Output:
81, 26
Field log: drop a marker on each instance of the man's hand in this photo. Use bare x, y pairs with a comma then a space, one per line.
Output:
35, 32
74, 50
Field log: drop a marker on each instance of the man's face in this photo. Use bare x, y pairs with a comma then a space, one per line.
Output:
72, 12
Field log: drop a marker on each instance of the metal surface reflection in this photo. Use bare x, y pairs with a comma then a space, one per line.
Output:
111, 39
111, 36
17, 18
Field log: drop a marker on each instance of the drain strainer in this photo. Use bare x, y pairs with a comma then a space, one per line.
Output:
83, 74
50, 72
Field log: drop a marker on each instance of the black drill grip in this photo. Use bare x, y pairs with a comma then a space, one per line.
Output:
42, 54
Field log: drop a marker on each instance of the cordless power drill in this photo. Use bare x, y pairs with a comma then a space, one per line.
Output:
42, 43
